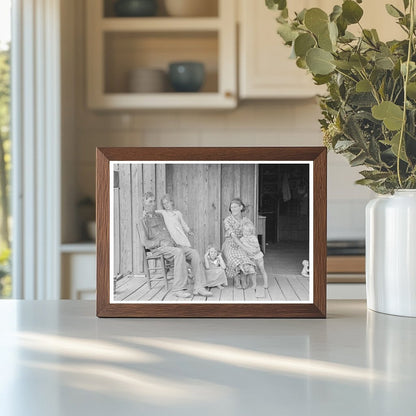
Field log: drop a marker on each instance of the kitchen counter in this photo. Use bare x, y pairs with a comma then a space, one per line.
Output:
57, 358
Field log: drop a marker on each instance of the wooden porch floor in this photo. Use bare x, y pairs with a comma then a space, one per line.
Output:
283, 266
282, 288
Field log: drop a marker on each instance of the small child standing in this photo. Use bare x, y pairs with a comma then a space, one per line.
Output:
250, 243
215, 268
176, 225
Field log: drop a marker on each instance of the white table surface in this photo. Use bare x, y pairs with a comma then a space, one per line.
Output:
57, 358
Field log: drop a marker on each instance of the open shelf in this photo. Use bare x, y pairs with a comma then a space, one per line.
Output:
160, 24
210, 10
127, 51
116, 46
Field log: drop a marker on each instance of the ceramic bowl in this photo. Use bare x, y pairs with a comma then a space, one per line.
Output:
135, 8
191, 8
186, 76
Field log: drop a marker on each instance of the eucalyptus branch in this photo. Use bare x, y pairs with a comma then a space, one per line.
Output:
392, 91
373, 88
398, 95
346, 75
406, 79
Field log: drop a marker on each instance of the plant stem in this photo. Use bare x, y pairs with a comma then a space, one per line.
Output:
406, 79
346, 75
373, 88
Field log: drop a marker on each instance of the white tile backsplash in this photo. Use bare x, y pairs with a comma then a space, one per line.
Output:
346, 219
257, 123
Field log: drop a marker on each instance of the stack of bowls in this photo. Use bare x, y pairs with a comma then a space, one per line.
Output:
147, 80
191, 8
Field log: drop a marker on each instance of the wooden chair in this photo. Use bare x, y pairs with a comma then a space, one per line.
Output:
155, 266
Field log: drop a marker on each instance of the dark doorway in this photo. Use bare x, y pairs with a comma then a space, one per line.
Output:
284, 202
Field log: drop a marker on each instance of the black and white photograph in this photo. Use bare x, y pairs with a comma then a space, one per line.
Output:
211, 232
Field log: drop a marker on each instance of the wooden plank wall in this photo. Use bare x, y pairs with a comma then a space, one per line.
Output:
195, 190
134, 181
202, 192
239, 181
116, 225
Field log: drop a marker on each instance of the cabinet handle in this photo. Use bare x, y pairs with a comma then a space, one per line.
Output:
229, 94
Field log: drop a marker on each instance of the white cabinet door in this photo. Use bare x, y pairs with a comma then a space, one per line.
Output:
78, 276
265, 68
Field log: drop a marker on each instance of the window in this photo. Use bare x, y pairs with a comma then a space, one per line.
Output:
5, 147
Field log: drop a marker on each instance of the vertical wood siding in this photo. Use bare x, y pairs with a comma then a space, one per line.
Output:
126, 230
135, 180
202, 192
239, 181
116, 225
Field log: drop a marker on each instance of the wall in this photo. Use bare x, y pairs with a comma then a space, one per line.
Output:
253, 123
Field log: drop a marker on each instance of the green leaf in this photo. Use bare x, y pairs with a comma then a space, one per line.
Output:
316, 20
406, 4
342, 25
374, 150
276, 4
301, 15
363, 86
391, 114
347, 37
301, 63
336, 12
333, 32
319, 61
374, 174
343, 145
362, 99
384, 62
393, 11
287, 33
394, 145
303, 43
359, 160
281, 19
358, 61
344, 65
375, 35
321, 79
354, 132
325, 42
412, 67
351, 11
411, 90
368, 36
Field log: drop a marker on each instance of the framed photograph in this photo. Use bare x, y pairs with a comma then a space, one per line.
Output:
211, 232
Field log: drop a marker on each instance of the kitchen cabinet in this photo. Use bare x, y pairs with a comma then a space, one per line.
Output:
78, 263
118, 45
265, 70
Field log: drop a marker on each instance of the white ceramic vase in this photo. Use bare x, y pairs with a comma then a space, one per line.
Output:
391, 253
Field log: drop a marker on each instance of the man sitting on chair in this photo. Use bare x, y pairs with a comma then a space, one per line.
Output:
156, 238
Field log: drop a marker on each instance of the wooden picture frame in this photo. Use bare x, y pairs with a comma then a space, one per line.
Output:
299, 174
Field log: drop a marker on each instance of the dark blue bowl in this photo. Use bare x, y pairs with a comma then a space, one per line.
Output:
186, 76
135, 8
